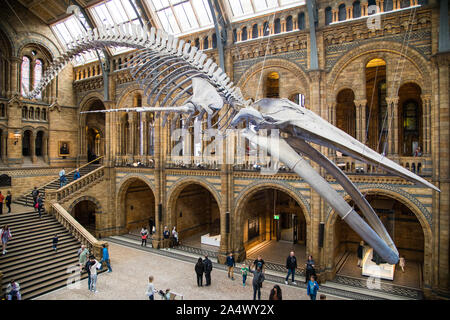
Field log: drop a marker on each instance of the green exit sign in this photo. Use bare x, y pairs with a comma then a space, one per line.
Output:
276, 217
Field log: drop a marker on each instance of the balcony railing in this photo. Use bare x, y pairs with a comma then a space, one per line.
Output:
144, 161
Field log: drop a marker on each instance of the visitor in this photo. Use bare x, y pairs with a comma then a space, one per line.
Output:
13, 290
93, 265
153, 230
144, 235
275, 293
39, 204
208, 268
231, 264
35, 194
244, 271
55, 243
199, 270
62, 178
8, 201
258, 278
87, 267
105, 258
291, 265
322, 297
259, 262
76, 175
150, 225
401, 263
418, 152
2, 197
309, 268
150, 289
83, 254
5, 236
312, 288
359, 253
175, 235
166, 236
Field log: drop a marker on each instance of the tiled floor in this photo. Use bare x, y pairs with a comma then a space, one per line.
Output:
278, 251
131, 268
410, 278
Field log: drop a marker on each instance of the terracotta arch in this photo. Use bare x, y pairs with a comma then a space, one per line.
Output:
83, 198
424, 220
129, 90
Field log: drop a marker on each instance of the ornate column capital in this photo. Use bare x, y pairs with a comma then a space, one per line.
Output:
360, 103
426, 98
392, 100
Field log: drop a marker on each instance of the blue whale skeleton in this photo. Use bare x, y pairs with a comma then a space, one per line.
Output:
170, 70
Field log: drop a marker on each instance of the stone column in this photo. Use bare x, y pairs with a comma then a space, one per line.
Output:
33, 146
426, 124
14, 83
45, 147
130, 138
361, 119
145, 128
335, 13
392, 125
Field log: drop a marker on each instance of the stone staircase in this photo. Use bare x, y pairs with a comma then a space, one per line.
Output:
30, 258
27, 200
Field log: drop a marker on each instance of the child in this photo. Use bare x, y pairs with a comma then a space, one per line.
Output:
244, 271
151, 288
55, 242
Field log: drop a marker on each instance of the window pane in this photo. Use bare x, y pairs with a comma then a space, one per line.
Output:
25, 75
203, 13
37, 76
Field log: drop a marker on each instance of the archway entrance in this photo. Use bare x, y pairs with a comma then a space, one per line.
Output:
138, 206
273, 225
26, 143
403, 227
196, 216
95, 128
84, 212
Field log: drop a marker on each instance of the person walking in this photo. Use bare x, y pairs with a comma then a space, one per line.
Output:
208, 268
8, 201
76, 175
2, 197
259, 262
92, 265
150, 289
144, 235
258, 279
401, 263
39, 204
35, 194
244, 271
62, 178
55, 243
231, 264
309, 268
291, 265
312, 288
175, 235
105, 258
199, 270
359, 253
5, 236
13, 290
83, 256
275, 293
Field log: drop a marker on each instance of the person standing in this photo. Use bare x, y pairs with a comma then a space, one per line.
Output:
35, 194
312, 288
62, 177
401, 263
39, 204
93, 265
151, 289
105, 258
231, 264
150, 225
13, 290
5, 236
8, 201
175, 235
166, 237
208, 268
199, 270
154, 229
309, 268
291, 265
258, 278
359, 253
55, 243
144, 235
275, 293
83, 256
244, 271
2, 197
76, 175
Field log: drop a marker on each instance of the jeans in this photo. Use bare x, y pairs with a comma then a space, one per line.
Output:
144, 241
208, 278
55, 246
291, 271
244, 278
89, 282
93, 282
108, 265
230, 272
8, 205
12, 294
256, 288
151, 297
312, 296
199, 280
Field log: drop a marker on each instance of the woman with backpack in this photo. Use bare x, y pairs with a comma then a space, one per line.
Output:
258, 278
5, 236
144, 235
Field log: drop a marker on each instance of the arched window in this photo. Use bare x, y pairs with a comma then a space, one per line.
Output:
298, 98
31, 113
405, 3
234, 35
214, 41
388, 5
205, 43
273, 85
346, 112
289, 24
44, 114
342, 14
25, 75
197, 43
277, 26
266, 29
371, 9
301, 21
2, 110
24, 112
255, 31
328, 16
244, 34
37, 75
38, 114
357, 9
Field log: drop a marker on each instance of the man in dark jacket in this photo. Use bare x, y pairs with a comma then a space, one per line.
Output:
87, 267
291, 265
231, 264
199, 269
35, 194
258, 278
208, 268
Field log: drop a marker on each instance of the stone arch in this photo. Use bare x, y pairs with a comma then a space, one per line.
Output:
87, 99
84, 105
280, 64
83, 198
128, 90
381, 49
39, 39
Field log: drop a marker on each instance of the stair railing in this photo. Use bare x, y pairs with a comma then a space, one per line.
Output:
77, 230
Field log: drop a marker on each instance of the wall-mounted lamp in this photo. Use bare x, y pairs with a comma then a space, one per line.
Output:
15, 136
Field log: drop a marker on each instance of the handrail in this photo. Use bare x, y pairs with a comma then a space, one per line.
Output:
77, 230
